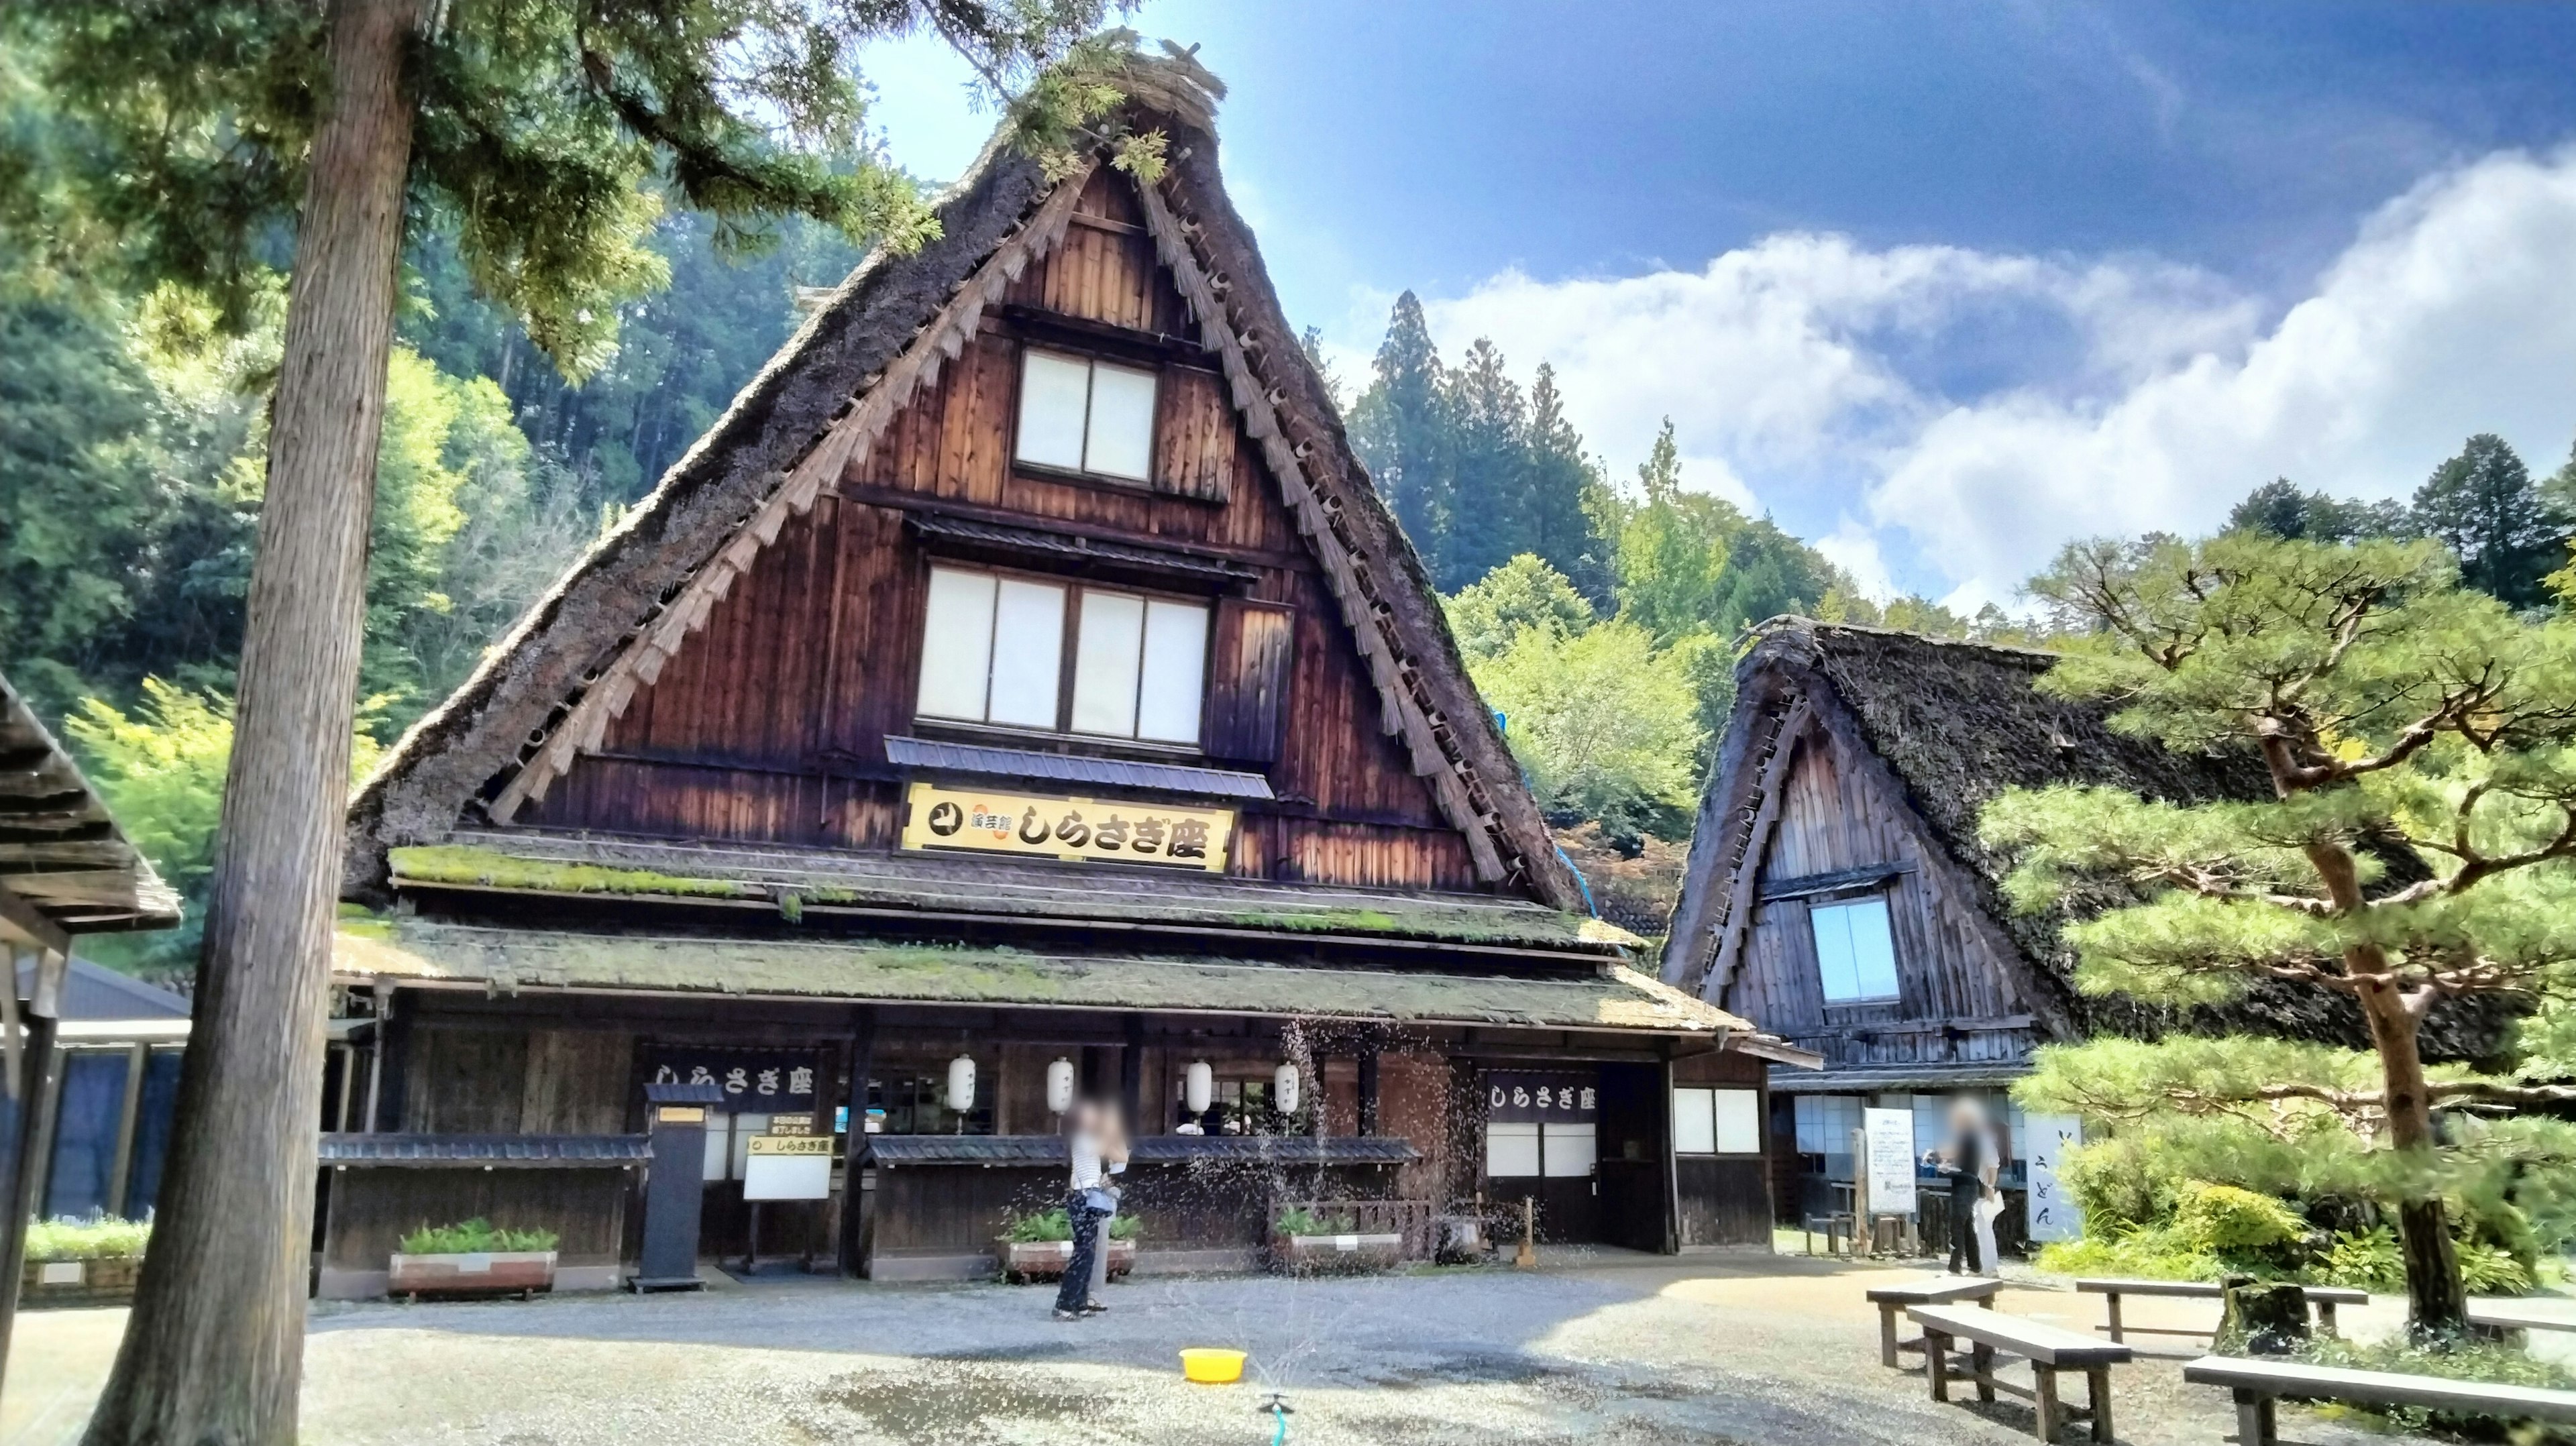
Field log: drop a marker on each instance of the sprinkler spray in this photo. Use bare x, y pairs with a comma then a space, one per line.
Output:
1276, 1403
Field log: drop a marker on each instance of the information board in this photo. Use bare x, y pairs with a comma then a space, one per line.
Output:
1891, 1160
2050, 1213
787, 1167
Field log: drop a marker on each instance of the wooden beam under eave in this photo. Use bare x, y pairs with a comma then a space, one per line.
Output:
22, 924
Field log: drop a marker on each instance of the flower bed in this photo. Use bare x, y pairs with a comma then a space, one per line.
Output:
1039, 1245
83, 1262
1305, 1243
470, 1259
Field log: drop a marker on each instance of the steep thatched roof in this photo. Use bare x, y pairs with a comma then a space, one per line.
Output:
572, 662
1956, 724
65, 866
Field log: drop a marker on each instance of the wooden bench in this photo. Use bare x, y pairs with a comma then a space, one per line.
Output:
2047, 1348
1892, 1301
2322, 1299
2504, 1317
2260, 1384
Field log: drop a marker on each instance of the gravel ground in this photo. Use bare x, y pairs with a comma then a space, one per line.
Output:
1605, 1351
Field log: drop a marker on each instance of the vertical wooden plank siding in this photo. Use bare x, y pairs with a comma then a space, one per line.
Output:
755, 730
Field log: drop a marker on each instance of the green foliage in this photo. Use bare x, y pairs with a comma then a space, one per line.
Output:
161, 768
1300, 1220
1522, 594
1605, 728
2226, 1219
2483, 506
2462, 1359
1030, 1226
2142, 1254
474, 1237
95, 1239
2279, 509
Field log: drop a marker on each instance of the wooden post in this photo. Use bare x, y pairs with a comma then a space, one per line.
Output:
1981, 1363
2254, 1420
1936, 1363
2097, 1389
1527, 1258
1368, 1092
26, 1180
2044, 1398
1860, 1190
128, 1115
862, 1055
2112, 1303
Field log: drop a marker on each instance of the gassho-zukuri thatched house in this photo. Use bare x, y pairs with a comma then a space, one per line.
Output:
1837, 891
1023, 670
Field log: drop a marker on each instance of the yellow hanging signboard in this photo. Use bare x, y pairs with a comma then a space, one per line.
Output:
941, 816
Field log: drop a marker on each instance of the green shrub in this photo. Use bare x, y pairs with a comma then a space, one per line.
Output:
2149, 1253
2460, 1360
1039, 1225
477, 1236
2225, 1220
1298, 1220
2116, 1184
97, 1239
2366, 1260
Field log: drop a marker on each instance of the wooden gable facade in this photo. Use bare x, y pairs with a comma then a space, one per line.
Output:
770, 725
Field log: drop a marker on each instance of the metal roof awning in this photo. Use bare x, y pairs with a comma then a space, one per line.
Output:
1083, 770
534, 1152
1049, 1150
421, 953
1896, 1078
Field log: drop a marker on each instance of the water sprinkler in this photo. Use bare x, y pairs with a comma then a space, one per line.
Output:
1276, 1404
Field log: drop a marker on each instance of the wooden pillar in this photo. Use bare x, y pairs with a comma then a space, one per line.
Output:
26, 1183
1131, 1076
862, 1050
1368, 1092
137, 1059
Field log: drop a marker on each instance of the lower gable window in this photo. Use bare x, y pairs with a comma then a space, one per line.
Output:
995, 649
1855, 950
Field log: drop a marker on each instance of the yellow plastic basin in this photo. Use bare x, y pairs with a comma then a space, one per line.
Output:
1211, 1367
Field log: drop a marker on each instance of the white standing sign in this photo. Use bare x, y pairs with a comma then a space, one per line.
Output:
787, 1167
1891, 1160
2052, 1213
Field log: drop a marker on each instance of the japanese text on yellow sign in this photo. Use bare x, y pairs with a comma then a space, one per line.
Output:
1082, 830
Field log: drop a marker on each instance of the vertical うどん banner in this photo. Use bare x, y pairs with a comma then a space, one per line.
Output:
942, 817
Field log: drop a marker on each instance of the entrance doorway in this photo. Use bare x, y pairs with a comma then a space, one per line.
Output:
1542, 1143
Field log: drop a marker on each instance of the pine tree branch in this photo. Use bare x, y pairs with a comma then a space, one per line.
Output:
2497, 1092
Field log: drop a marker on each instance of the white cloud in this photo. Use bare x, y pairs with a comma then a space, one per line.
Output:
1979, 409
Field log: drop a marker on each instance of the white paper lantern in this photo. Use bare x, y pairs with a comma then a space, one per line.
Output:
1198, 1086
961, 1083
1283, 1089
1060, 1086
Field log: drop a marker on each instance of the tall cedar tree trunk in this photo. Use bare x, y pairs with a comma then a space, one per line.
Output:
2436, 1301
214, 1350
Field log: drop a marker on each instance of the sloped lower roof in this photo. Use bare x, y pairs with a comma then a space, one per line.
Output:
1020, 890
1956, 724
576, 658
61, 853
422, 953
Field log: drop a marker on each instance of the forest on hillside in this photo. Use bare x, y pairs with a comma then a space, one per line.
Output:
1601, 615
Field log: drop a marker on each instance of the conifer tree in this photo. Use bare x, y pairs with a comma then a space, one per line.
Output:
1401, 429
1562, 530
2280, 509
2483, 505
1490, 472
550, 134
2419, 845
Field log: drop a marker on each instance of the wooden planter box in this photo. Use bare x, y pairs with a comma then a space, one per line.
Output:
79, 1282
1306, 1254
1024, 1260
497, 1272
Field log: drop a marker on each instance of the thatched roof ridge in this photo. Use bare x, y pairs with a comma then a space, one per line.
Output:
1956, 724
524, 709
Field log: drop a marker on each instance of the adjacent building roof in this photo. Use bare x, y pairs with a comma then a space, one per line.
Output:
510, 960
62, 855
1026, 892
94, 991
535, 1152
576, 659
1956, 724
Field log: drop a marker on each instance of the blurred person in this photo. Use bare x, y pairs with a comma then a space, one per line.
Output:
1968, 1161
1087, 1206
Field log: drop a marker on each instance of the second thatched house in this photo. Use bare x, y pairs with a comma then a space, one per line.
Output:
1838, 893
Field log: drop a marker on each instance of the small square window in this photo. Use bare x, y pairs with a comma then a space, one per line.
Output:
1086, 416
1855, 951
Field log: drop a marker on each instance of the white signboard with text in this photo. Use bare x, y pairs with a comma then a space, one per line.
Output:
2052, 1214
787, 1167
1891, 1160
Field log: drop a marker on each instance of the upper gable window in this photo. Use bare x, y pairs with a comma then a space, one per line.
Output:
1086, 416
1855, 950
994, 649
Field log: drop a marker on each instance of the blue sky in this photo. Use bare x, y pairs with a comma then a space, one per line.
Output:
1940, 285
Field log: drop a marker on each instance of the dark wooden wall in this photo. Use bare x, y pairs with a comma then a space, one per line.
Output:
371, 1209
769, 726
1958, 1001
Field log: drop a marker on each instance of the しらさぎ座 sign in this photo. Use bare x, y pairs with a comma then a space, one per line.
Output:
1521, 1096
754, 1081
1080, 830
